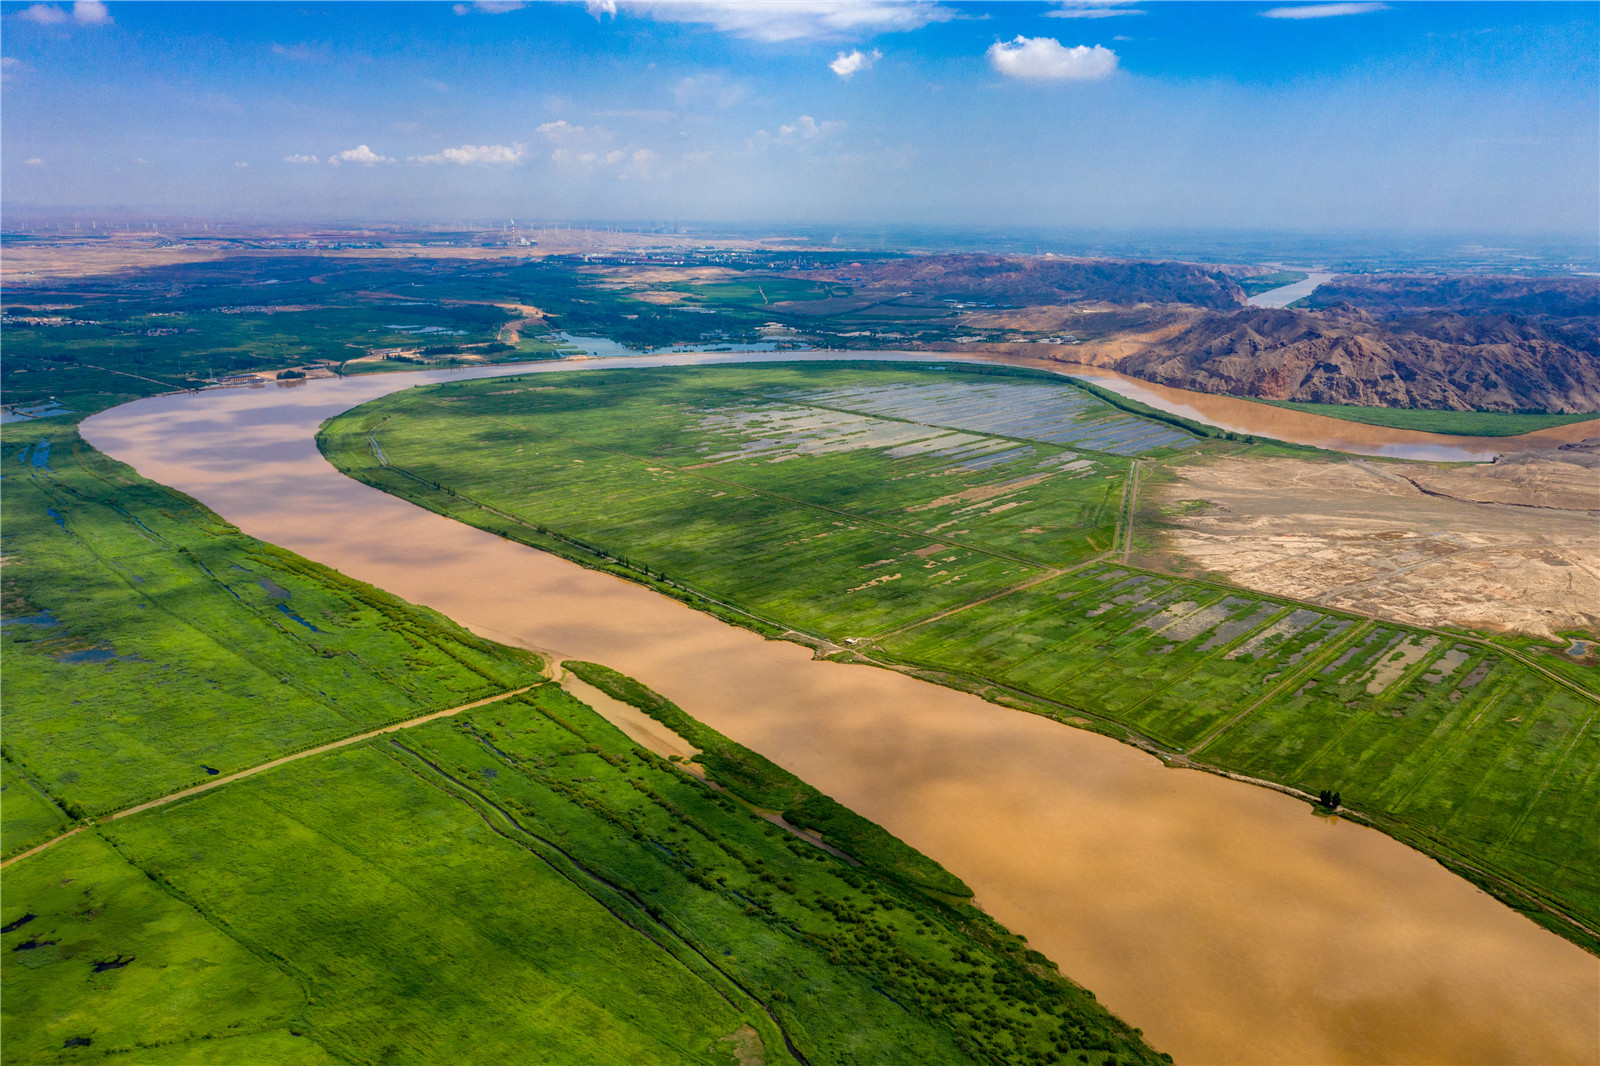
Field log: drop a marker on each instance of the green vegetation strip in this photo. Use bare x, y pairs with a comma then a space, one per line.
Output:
519, 879
1469, 749
1457, 423
761, 782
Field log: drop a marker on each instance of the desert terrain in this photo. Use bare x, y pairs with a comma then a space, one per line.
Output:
1510, 546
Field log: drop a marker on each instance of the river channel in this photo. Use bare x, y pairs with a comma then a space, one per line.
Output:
1227, 921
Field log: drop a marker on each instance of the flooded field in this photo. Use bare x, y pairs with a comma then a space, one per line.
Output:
1301, 427
1227, 921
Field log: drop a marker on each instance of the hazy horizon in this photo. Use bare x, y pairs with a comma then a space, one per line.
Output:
1473, 119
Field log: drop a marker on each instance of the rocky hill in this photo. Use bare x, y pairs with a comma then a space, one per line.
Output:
1496, 362
1033, 280
1388, 295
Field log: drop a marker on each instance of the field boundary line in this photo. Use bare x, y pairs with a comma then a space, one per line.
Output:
1277, 690
207, 786
1561, 760
796, 501
985, 598
1355, 612
1133, 504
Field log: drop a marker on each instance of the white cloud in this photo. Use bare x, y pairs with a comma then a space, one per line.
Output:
561, 131
361, 155
1045, 59
1091, 9
1322, 11
44, 14
765, 20
805, 126
802, 130
33, 162
84, 13
141, 161
241, 166
490, 7
849, 63
300, 159
475, 155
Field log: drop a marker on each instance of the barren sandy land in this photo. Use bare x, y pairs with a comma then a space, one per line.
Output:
1366, 537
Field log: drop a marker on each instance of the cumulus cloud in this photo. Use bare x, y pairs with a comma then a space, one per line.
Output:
1046, 59
33, 162
241, 166
84, 13
468, 155
43, 14
1091, 9
300, 159
360, 155
849, 63
764, 20
1322, 11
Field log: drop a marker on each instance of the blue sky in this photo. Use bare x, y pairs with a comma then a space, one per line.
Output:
1371, 117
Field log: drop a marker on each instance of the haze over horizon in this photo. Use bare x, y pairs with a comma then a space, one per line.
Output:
1481, 118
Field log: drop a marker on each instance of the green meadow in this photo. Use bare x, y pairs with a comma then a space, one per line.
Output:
518, 882
1460, 423
149, 645
739, 491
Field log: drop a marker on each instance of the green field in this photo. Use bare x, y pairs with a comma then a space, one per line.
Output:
1460, 423
519, 882
791, 522
149, 645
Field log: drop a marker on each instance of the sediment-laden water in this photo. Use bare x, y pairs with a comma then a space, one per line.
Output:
1226, 920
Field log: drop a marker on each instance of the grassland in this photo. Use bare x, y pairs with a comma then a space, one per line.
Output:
875, 540
1460, 423
1445, 740
519, 882
149, 645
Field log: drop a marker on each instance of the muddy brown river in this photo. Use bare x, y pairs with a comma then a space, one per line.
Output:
1227, 921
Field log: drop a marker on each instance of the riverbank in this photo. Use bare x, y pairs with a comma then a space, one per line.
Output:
1215, 915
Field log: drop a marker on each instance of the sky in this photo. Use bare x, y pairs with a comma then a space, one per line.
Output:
1342, 116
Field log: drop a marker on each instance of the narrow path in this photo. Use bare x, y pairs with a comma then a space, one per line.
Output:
1133, 504
252, 771
1294, 678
